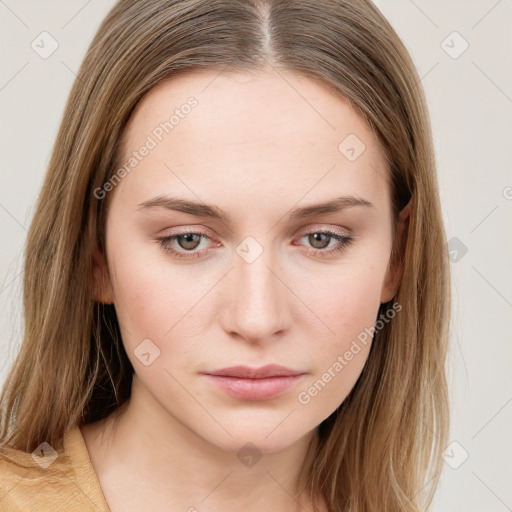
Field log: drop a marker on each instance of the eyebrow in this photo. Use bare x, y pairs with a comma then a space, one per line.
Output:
204, 210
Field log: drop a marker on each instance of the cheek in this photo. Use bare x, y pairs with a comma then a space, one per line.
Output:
348, 302
151, 295
348, 306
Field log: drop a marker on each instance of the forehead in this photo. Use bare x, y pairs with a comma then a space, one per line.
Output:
281, 129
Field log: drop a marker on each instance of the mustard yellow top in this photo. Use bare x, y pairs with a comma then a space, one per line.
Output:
61, 480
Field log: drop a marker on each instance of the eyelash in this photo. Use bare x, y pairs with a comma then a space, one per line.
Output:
344, 240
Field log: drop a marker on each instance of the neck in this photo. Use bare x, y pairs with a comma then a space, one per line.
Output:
142, 442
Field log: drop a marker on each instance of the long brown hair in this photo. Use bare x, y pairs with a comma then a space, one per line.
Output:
381, 447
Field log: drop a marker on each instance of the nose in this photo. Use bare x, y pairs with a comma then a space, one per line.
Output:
257, 308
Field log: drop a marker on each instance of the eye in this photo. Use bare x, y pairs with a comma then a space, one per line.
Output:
185, 244
182, 244
321, 239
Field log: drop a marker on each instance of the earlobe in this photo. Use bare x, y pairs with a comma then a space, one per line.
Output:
396, 267
102, 285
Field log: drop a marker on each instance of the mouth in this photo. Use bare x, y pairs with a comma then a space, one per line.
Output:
261, 383
246, 372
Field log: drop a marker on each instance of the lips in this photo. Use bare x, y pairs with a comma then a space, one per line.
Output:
246, 372
262, 383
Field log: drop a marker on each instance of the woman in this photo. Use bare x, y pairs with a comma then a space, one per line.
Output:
236, 294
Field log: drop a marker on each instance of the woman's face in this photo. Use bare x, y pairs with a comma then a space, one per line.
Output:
216, 255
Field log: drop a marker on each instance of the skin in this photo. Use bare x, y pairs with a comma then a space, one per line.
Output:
257, 149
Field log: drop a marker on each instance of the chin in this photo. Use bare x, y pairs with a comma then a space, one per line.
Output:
266, 435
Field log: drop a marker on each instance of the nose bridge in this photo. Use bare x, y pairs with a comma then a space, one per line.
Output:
258, 302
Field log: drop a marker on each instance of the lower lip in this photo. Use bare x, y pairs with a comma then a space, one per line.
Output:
255, 389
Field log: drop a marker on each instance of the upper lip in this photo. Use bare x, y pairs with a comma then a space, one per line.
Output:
246, 372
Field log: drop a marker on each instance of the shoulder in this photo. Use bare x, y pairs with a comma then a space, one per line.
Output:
44, 480
26, 478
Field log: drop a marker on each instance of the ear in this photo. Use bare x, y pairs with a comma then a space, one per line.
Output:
395, 268
102, 285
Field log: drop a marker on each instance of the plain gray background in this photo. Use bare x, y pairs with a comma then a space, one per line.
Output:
469, 91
